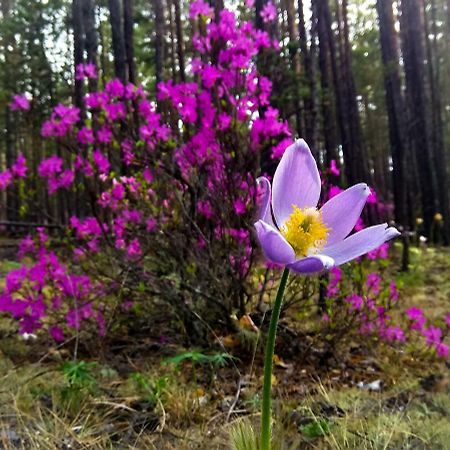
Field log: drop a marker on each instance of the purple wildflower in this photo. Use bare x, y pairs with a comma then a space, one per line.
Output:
300, 236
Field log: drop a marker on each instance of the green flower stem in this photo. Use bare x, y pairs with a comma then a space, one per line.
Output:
268, 363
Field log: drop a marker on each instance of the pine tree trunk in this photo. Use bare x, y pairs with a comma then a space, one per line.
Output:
359, 163
396, 118
437, 130
78, 50
118, 41
159, 40
418, 124
172, 29
309, 64
294, 61
326, 83
128, 21
91, 39
180, 42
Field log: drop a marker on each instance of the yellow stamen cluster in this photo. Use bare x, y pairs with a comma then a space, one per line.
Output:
305, 231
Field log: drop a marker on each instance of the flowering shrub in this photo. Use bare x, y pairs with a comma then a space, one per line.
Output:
166, 192
168, 189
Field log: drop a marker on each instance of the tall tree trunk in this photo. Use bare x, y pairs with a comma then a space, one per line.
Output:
180, 41
396, 117
8, 79
326, 83
358, 153
159, 40
418, 127
173, 32
91, 38
437, 130
118, 41
78, 50
294, 60
309, 64
218, 7
128, 22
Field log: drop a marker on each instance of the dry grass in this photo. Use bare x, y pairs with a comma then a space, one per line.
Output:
166, 409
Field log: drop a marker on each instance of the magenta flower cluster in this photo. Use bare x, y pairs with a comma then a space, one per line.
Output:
225, 100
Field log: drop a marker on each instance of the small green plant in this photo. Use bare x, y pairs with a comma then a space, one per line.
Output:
80, 383
197, 358
78, 374
316, 429
215, 359
152, 391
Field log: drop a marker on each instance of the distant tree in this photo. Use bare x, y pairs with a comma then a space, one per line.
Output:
418, 126
158, 9
118, 39
128, 22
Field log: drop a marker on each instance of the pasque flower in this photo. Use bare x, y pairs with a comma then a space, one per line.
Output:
294, 233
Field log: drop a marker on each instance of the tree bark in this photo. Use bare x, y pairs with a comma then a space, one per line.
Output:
91, 38
118, 41
437, 129
78, 50
180, 41
128, 21
418, 124
309, 64
396, 113
159, 40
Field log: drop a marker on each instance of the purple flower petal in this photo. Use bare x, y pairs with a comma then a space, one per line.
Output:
274, 245
264, 198
296, 181
360, 243
312, 264
341, 212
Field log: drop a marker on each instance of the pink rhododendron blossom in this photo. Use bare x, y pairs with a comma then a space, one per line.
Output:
333, 285
442, 349
356, 302
6, 179
302, 238
19, 168
199, 7
333, 191
334, 170
382, 252
20, 102
394, 333
240, 207
83, 71
373, 283
432, 335
393, 292
417, 318
269, 12
372, 198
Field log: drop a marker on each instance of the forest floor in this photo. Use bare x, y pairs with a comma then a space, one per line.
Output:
136, 397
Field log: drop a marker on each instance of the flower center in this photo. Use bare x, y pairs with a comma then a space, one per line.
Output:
305, 231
